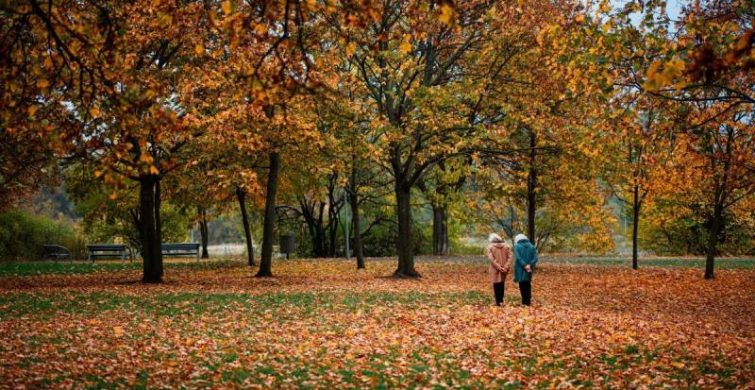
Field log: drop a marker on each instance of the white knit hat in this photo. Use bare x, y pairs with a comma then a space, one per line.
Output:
520, 237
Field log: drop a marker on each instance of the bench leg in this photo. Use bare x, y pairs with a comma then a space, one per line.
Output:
90, 258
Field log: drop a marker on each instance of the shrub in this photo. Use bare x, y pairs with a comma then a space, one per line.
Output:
23, 235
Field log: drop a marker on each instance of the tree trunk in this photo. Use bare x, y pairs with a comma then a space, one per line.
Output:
635, 225
531, 186
719, 200
149, 233
332, 237
159, 224
241, 196
204, 232
358, 252
715, 230
440, 231
269, 221
404, 244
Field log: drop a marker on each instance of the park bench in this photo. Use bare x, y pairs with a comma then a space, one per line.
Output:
57, 252
108, 251
181, 249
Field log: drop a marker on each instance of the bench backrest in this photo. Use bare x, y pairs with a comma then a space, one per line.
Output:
184, 246
106, 247
56, 249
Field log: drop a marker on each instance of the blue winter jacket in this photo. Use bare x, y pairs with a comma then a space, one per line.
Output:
525, 253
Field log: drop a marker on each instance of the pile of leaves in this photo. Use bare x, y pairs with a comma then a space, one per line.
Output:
322, 324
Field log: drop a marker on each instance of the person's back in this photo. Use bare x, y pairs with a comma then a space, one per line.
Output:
500, 257
526, 251
526, 258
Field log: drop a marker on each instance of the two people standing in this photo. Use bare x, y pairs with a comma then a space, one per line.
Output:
523, 259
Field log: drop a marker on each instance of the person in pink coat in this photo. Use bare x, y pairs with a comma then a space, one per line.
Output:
501, 260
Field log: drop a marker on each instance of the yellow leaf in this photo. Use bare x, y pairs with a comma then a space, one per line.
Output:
118, 331
153, 170
405, 47
226, 7
351, 48
447, 13
199, 49
94, 112
43, 83
32, 110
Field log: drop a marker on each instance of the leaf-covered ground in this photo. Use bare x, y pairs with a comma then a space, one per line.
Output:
322, 324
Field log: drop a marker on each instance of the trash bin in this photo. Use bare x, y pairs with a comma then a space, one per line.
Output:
287, 244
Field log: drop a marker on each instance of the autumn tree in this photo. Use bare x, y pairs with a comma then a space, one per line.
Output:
706, 72
410, 60
116, 70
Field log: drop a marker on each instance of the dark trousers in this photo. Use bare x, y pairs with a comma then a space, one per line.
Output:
498, 290
526, 289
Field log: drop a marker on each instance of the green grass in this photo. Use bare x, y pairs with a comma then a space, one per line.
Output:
176, 304
727, 263
85, 267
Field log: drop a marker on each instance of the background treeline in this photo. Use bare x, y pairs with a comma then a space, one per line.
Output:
414, 125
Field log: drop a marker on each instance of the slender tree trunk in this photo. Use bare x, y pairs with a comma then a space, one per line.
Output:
356, 224
269, 221
404, 242
440, 231
358, 252
531, 187
719, 200
204, 232
149, 229
635, 225
332, 237
241, 196
715, 230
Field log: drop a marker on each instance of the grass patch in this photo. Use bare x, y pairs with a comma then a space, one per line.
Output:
176, 304
28, 268
728, 263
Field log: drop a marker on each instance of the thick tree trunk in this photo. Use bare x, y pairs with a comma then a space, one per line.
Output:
149, 220
404, 242
635, 225
159, 224
440, 231
268, 229
241, 196
531, 187
318, 241
358, 252
204, 232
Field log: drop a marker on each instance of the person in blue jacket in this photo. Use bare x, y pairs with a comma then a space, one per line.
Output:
526, 258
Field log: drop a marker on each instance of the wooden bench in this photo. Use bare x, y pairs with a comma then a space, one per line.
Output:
181, 249
108, 251
57, 252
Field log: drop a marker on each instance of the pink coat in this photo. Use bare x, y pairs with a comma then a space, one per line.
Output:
501, 260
